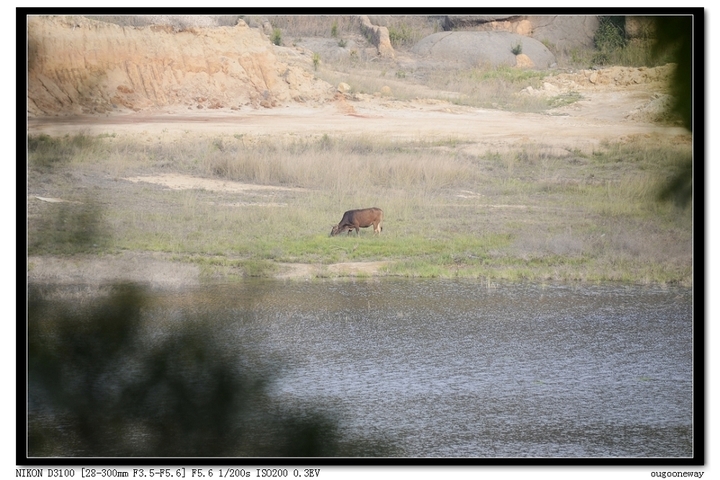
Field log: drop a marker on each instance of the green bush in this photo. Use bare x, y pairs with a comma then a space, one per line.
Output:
276, 36
609, 39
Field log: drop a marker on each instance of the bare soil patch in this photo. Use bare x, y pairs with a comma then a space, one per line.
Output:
599, 116
185, 182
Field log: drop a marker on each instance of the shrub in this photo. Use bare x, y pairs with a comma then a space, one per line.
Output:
316, 60
276, 36
609, 38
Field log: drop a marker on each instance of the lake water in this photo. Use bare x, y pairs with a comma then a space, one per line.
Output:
462, 369
457, 369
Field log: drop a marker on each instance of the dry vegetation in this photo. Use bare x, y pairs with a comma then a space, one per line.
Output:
405, 30
518, 215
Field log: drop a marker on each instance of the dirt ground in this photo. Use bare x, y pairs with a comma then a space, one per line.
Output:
605, 113
600, 115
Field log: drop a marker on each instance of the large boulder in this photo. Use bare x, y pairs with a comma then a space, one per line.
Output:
565, 33
485, 48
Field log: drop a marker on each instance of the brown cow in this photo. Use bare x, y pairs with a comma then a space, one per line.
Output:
358, 219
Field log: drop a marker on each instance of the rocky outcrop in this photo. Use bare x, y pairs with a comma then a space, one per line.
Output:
485, 48
378, 36
78, 65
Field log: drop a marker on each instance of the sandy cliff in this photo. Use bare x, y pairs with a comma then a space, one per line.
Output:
77, 65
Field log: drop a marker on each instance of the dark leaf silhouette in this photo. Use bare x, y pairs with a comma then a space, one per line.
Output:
103, 382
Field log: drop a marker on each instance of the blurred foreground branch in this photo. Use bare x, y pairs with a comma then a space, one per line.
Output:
105, 381
675, 37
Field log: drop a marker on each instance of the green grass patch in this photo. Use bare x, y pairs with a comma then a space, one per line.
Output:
564, 99
221, 266
46, 152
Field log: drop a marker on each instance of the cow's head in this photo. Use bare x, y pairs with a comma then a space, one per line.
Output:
335, 230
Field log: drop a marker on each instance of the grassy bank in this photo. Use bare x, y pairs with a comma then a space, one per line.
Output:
528, 214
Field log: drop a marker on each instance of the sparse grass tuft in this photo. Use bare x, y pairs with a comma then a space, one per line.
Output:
313, 25
564, 99
404, 35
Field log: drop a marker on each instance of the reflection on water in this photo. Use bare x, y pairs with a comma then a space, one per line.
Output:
445, 368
